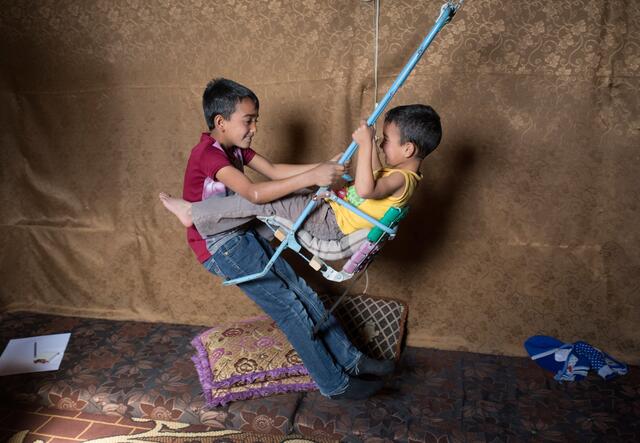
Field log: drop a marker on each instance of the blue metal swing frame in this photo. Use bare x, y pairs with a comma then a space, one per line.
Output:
447, 11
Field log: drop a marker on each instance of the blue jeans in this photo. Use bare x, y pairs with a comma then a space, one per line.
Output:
293, 305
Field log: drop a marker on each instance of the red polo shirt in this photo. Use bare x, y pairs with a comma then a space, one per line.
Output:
206, 159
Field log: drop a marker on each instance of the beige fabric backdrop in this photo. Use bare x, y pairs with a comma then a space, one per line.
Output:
527, 219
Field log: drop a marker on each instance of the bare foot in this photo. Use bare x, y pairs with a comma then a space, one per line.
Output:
178, 207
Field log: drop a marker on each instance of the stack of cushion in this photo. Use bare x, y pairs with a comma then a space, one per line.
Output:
252, 358
247, 359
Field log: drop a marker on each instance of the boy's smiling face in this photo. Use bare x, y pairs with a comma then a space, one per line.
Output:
241, 126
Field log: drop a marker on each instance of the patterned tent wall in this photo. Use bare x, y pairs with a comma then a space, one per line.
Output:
525, 222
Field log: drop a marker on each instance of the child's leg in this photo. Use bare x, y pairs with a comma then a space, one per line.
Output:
343, 351
211, 223
244, 254
332, 334
216, 215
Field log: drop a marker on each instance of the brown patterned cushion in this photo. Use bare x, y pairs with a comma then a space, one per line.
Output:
246, 359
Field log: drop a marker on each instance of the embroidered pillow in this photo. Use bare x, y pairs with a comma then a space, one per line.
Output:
245, 359
222, 396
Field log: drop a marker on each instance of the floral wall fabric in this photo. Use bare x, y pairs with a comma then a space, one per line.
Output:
526, 221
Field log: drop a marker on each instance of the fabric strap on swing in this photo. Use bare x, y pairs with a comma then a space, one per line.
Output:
374, 242
325, 249
345, 247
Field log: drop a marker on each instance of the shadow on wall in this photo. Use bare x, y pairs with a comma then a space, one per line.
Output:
62, 96
288, 140
54, 135
426, 230
297, 139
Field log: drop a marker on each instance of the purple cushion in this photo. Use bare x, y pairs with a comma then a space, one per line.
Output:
247, 359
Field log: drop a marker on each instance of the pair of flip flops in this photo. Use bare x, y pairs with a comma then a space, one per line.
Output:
572, 361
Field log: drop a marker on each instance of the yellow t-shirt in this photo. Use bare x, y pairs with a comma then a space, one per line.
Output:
350, 222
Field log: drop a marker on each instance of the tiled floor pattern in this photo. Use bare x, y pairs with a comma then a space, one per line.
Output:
59, 426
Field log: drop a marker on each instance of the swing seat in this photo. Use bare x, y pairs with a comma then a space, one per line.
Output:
358, 247
330, 250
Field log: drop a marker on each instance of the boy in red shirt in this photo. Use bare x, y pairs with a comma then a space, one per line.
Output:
216, 169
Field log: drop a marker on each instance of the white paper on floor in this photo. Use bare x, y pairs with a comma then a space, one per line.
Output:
33, 354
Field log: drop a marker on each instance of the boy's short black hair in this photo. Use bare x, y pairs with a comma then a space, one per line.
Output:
418, 124
220, 98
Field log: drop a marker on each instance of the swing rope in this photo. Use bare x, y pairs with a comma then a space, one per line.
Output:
376, 21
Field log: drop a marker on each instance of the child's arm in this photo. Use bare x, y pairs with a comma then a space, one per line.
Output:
323, 174
366, 186
278, 171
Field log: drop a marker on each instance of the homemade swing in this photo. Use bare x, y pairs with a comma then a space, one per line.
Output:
360, 246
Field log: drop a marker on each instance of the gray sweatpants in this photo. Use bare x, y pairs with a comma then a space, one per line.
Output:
219, 214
